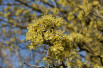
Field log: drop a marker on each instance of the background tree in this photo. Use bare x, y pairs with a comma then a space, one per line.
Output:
64, 33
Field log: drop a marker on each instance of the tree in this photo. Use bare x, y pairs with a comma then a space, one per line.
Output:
61, 30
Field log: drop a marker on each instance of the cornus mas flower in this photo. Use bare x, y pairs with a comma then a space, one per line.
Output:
46, 30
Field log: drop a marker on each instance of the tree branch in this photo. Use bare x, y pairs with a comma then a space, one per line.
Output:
9, 4
38, 10
90, 51
98, 14
22, 27
47, 3
34, 65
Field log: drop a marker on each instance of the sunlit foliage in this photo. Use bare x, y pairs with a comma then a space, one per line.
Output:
59, 31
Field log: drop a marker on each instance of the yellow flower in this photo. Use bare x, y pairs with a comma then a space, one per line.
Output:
31, 47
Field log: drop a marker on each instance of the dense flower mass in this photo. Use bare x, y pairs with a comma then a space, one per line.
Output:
43, 29
47, 31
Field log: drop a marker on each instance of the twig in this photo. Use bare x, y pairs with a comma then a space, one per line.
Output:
34, 65
9, 4
92, 52
64, 29
36, 9
11, 23
49, 4
99, 14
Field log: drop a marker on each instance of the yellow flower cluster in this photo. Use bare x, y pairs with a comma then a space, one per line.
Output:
47, 31
42, 29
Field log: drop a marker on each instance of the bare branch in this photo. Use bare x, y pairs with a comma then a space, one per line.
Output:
20, 26
38, 10
47, 3
9, 4
34, 65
